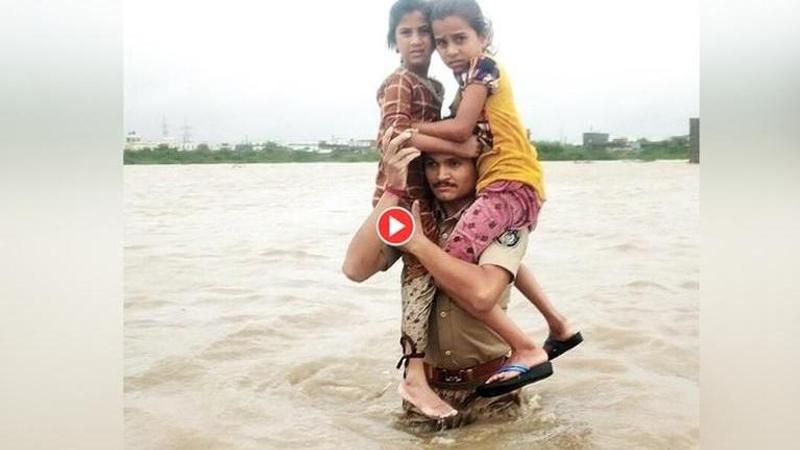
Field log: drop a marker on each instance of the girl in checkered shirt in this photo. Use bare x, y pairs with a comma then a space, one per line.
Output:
408, 95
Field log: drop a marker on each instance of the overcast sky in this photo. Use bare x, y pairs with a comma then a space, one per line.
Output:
308, 70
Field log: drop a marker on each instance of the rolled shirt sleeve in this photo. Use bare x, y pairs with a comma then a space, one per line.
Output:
507, 251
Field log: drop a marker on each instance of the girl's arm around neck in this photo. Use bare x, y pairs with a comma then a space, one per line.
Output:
431, 144
459, 128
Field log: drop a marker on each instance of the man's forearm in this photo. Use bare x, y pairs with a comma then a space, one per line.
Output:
470, 285
365, 253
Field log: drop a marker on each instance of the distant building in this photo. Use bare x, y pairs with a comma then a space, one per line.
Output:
694, 140
336, 142
187, 146
133, 142
595, 139
304, 146
364, 143
621, 143
347, 144
167, 142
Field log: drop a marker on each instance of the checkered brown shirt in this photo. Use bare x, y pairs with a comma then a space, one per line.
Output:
404, 98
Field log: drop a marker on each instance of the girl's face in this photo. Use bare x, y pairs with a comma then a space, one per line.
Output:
414, 41
457, 42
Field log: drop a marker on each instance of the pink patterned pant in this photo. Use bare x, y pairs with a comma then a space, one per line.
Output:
501, 206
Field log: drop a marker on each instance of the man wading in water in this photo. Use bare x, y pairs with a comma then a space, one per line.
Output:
462, 352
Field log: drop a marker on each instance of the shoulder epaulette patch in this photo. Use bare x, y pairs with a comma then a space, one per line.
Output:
510, 238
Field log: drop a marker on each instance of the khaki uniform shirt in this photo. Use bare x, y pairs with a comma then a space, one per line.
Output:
456, 339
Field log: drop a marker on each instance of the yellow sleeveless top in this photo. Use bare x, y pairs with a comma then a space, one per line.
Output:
507, 154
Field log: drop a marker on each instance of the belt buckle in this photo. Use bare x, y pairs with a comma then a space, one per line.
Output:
453, 379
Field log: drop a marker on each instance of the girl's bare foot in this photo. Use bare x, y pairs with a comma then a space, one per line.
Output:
560, 330
421, 396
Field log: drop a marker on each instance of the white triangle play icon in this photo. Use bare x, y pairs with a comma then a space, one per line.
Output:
395, 226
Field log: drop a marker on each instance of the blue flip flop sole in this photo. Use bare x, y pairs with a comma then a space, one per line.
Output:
526, 377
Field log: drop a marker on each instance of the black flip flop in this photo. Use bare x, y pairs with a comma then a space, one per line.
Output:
527, 375
556, 348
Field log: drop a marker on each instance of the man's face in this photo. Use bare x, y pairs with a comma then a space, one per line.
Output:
451, 178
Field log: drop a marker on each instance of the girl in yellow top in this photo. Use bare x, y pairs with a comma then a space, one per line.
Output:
510, 187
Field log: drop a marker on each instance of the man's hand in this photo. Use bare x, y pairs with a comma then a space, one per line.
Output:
396, 160
418, 238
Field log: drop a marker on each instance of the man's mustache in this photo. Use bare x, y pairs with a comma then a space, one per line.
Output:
444, 184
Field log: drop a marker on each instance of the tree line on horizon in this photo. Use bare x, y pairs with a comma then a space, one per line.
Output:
674, 148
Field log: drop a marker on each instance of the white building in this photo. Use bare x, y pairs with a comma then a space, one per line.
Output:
187, 146
133, 142
363, 143
304, 146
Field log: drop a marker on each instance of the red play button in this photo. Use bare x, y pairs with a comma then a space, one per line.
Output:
395, 226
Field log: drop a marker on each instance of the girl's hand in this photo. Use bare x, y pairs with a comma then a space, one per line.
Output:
396, 160
471, 148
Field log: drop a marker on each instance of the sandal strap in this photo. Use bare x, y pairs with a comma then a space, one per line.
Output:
405, 358
514, 368
413, 353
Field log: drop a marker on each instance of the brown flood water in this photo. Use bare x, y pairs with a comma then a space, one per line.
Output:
241, 332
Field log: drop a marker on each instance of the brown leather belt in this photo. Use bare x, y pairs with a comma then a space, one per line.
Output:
459, 376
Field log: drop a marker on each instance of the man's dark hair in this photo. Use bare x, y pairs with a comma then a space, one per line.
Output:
399, 10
